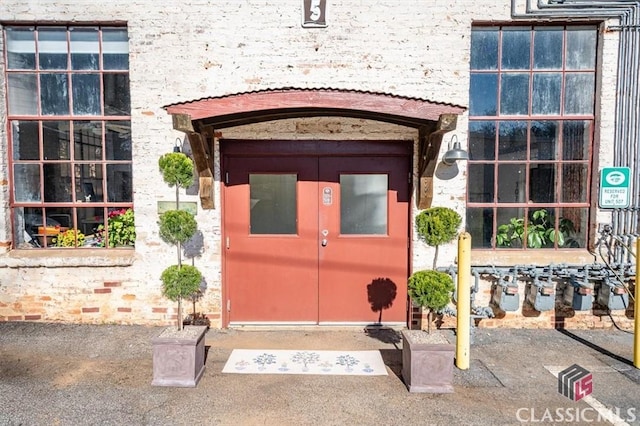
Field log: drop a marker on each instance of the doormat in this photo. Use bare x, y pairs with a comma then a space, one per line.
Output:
348, 363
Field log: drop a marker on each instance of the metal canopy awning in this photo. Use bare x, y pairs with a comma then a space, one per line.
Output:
200, 118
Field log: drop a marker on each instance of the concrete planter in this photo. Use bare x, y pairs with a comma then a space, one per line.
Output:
178, 357
427, 362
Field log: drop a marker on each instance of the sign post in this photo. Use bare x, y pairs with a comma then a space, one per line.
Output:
614, 188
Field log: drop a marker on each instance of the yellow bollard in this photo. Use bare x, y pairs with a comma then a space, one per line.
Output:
636, 314
463, 313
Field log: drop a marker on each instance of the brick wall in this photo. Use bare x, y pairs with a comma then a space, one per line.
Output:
186, 50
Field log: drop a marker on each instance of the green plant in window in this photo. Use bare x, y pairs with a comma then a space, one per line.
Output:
540, 232
68, 238
122, 228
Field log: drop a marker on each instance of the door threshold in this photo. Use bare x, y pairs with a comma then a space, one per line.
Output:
296, 325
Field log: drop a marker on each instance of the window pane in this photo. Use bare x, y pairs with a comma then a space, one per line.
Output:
516, 43
483, 94
119, 183
514, 94
26, 183
56, 140
573, 225
547, 50
115, 49
579, 90
512, 143
574, 183
118, 140
24, 135
52, 48
546, 93
62, 216
54, 94
363, 204
86, 94
480, 183
273, 203
87, 137
482, 140
85, 49
484, 49
57, 182
581, 48
544, 140
511, 183
542, 183
88, 221
510, 232
89, 183
21, 48
576, 139
22, 94
116, 94
480, 226
25, 224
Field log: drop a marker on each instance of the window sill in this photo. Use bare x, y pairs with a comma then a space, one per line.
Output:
65, 258
538, 257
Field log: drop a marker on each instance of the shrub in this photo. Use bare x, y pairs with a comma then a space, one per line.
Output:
431, 290
436, 226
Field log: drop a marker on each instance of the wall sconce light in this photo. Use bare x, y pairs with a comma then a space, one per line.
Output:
455, 152
177, 146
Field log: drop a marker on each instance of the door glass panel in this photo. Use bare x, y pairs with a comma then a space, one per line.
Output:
363, 204
273, 201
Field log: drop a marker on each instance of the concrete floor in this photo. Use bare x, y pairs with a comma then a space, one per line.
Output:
55, 374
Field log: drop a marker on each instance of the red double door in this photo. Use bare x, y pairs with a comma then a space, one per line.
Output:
315, 232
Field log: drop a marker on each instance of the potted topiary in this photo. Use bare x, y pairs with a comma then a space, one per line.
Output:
427, 358
178, 352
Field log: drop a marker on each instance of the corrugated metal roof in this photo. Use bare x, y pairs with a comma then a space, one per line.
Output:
317, 89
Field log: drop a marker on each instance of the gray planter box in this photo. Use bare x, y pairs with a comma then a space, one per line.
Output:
178, 357
427, 362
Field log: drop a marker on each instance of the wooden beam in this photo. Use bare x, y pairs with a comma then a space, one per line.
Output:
203, 168
430, 140
182, 122
201, 160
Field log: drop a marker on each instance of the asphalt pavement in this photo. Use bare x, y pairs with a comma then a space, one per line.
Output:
66, 374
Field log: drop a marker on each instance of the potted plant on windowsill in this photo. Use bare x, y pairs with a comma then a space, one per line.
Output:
427, 358
178, 352
540, 232
122, 229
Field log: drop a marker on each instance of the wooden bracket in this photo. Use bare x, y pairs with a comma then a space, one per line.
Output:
430, 139
197, 141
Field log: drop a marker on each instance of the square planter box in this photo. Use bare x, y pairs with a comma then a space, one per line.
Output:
427, 362
178, 356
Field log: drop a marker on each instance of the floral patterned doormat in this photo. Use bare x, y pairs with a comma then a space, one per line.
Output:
351, 363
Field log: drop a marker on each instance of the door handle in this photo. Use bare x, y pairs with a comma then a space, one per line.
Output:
324, 242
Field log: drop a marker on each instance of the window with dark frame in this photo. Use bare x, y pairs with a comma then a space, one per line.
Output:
69, 127
531, 120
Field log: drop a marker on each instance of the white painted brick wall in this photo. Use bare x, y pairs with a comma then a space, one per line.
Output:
186, 50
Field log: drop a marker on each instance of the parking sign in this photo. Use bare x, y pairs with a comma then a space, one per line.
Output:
614, 188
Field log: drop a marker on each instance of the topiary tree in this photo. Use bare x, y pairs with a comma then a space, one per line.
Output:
431, 290
436, 226
177, 227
